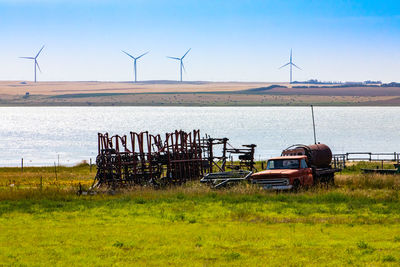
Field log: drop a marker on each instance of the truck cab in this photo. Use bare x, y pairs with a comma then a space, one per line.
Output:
285, 172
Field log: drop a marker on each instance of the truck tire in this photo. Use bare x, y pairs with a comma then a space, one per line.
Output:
327, 180
316, 180
296, 185
331, 180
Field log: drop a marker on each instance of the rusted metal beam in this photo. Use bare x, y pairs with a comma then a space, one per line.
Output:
145, 159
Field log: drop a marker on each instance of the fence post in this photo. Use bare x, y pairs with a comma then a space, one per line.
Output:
90, 164
22, 164
55, 170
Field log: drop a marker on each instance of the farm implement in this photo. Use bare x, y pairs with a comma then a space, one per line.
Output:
144, 159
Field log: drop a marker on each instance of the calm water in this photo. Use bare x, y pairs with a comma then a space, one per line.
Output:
41, 135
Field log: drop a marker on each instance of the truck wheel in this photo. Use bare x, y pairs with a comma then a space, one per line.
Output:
296, 185
331, 180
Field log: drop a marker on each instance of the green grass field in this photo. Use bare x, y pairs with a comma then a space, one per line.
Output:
45, 223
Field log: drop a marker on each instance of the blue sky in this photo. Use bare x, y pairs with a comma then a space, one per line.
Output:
230, 40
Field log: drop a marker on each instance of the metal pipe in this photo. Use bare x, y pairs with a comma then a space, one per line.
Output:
313, 121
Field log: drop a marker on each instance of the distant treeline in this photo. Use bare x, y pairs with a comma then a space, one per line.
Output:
261, 90
337, 86
392, 84
315, 81
343, 85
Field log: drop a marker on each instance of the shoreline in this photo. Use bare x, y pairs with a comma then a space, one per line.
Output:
207, 94
196, 99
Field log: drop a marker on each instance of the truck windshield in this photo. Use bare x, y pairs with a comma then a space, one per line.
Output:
283, 164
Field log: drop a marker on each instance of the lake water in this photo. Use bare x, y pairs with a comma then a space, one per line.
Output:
44, 135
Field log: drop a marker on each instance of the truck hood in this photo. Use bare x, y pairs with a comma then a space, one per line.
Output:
274, 173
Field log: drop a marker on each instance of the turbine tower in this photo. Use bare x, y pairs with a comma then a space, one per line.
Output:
134, 61
35, 61
291, 64
181, 66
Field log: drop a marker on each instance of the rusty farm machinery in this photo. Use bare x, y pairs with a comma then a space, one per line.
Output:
144, 159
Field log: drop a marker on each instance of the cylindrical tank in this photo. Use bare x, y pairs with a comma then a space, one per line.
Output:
319, 155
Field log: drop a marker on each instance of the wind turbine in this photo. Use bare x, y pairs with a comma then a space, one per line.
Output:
181, 62
35, 59
291, 64
134, 60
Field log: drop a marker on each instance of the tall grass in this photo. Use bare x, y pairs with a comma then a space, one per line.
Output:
368, 181
41, 183
355, 222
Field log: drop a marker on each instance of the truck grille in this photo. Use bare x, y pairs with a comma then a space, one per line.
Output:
271, 182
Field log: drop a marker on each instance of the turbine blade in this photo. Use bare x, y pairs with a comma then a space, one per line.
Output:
129, 55
186, 53
39, 51
174, 58
27, 57
183, 66
296, 66
284, 65
37, 64
142, 55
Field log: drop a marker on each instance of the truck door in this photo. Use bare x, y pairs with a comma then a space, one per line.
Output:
306, 173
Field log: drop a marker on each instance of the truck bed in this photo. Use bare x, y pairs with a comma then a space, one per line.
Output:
325, 171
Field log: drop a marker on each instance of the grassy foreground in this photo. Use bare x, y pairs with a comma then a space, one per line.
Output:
357, 222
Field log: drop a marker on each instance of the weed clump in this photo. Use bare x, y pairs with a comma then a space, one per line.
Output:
232, 256
388, 258
118, 244
362, 244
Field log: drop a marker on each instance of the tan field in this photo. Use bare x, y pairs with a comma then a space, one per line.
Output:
159, 93
61, 88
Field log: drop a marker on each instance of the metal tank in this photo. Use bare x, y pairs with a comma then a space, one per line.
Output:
319, 155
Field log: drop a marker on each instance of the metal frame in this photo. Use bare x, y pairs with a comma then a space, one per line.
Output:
145, 159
